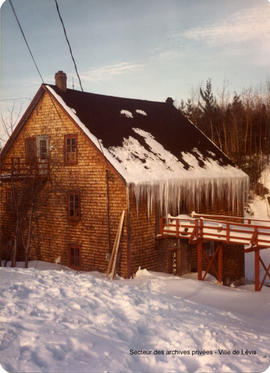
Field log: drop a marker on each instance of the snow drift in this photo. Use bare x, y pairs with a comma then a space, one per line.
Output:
66, 321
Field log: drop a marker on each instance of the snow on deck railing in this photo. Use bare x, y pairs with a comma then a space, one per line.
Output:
247, 220
195, 228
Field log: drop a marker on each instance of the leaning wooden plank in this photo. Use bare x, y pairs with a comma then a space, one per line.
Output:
113, 252
114, 248
112, 256
117, 244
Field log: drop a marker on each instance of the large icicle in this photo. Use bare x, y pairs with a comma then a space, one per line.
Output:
169, 195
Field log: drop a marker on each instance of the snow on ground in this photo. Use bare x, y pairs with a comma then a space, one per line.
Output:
56, 320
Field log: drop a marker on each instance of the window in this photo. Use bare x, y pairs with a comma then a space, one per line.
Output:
15, 165
30, 150
74, 256
43, 147
74, 212
71, 149
9, 201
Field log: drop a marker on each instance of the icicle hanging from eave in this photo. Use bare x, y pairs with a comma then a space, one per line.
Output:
168, 195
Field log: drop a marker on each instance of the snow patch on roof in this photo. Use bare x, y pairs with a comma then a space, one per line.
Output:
142, 112
153, 163
126, 113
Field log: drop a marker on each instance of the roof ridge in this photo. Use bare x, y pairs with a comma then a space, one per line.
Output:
105, 95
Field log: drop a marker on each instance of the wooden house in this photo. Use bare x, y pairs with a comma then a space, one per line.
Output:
99, 155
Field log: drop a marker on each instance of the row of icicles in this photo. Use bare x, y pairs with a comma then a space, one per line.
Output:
177, 196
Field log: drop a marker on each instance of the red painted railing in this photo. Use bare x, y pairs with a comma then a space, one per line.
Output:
223, 229
255, 235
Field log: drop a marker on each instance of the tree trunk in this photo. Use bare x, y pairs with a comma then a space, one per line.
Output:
28, 242
14, 249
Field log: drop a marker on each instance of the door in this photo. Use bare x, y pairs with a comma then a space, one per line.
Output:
43, 153
179, 259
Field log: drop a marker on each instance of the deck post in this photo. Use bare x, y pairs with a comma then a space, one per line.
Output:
257, 268
220, 263
161, 226
199, 260
177, 228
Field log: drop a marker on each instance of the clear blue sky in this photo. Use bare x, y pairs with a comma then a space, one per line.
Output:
147, 49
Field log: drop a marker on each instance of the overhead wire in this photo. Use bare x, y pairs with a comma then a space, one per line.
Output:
34, 61
32, 56
73, 59
23, 34
67, 40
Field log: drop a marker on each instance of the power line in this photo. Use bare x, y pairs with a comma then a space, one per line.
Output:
31, 54
70, 50
13, 9
29, 49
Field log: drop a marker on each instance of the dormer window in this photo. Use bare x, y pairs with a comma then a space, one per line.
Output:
71, 149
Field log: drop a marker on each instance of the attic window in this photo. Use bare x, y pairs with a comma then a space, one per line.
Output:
126, 113
71, 149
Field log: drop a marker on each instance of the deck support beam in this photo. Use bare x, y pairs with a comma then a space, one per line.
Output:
220, 263
257, 268
199, 260
257, 260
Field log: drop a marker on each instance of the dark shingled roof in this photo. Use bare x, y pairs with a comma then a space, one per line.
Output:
101, 115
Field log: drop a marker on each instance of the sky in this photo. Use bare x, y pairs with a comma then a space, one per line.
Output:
150, 49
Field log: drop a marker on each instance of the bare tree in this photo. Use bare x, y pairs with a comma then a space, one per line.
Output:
8, 122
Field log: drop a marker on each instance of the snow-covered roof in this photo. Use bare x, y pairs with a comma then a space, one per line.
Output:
151, 144
160, 145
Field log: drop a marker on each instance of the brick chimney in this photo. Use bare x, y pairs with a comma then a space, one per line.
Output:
61, 81
169, 101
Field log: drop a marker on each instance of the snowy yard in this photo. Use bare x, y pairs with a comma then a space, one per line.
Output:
58, 320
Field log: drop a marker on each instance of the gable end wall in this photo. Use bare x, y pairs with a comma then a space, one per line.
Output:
53, 231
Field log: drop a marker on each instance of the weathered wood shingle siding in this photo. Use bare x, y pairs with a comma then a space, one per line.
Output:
53, 231
143, 245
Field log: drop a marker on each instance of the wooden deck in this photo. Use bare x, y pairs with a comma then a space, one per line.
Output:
12, 172
254, 234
